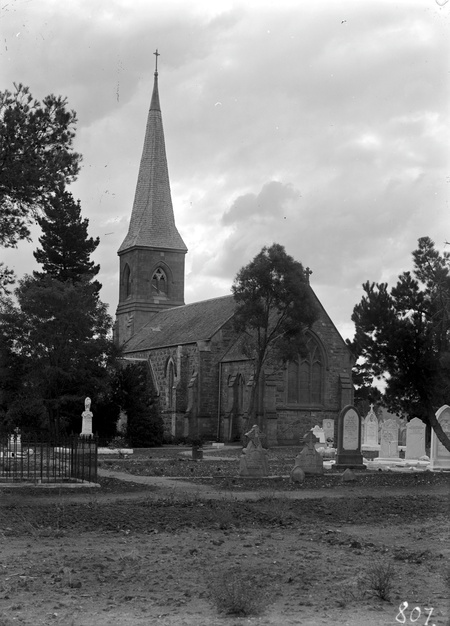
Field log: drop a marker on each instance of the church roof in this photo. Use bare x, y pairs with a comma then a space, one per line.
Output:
152, 221
198, 321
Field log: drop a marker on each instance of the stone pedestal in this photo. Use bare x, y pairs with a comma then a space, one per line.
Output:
86, 424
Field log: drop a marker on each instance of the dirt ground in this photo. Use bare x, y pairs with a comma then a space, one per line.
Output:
158, 553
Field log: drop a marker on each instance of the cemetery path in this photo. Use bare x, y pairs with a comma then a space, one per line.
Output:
155, 486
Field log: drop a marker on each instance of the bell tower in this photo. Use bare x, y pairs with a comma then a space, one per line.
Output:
152, 254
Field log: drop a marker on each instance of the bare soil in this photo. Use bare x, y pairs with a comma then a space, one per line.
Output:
160, 550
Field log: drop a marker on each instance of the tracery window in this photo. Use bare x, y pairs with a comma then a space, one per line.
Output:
159, 281
305, 376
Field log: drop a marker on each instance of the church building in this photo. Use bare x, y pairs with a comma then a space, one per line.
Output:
198, 369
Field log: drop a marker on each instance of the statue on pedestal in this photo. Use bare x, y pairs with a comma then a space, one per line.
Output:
86, 428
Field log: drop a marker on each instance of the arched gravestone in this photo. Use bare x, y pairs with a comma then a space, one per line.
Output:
371, 429
348, 452
439, 455
415, 439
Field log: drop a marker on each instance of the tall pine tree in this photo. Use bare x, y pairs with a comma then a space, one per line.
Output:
61, 328
66, 246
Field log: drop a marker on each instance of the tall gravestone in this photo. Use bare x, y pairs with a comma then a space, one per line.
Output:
86, 426
415, 439
439, 455
371, 428
389, 440
348, 452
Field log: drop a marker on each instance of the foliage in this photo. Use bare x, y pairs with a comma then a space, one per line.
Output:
66, 246
36, 156
237, 592
378, 580
135, 395
57, 342
274, 306
403, 336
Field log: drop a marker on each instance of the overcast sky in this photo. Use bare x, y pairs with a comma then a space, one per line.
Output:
321, 125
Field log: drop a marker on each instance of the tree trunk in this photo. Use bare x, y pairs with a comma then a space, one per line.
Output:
435, 425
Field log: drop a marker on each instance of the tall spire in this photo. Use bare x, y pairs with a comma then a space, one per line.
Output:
152, 223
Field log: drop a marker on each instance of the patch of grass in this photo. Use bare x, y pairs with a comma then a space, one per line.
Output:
378, 581
239, 593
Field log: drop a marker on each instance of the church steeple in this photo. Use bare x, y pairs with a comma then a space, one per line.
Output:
152, 253
152, 221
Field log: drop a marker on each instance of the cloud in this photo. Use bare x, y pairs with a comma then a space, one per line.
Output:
330, 138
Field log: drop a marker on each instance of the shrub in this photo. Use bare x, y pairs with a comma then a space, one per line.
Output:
238, 593
379, 580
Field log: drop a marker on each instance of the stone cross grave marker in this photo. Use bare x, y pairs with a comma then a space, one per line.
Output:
439, 455
309, 459
254, 461
389, 440
415, 439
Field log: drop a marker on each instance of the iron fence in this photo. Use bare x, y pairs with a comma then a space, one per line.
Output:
36, 458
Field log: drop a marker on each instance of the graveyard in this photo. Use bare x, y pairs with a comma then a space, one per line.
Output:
167, 539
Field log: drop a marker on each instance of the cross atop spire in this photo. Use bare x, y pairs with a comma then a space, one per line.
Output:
156, 61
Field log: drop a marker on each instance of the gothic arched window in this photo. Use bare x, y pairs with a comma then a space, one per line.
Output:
170, 384
127, 281
305, 376
159, 281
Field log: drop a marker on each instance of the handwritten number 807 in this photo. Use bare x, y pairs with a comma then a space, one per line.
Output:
414, 615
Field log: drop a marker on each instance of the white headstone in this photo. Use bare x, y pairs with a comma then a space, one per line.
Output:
328, 428
415, 439
389, 440
350, 432
371, 429
319, 433
439, 455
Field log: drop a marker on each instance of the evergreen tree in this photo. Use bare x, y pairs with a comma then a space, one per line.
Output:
275, 306
66, 246
403, 336
36, 156
60, 329
135, 395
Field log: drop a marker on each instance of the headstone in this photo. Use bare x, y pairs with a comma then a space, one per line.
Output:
371, 429
389, 440
349, 439
415, 439
439, 455
253, 461
309, 460
297, 474
348, 476
328, 429
15, 444
319, 433
86, 428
